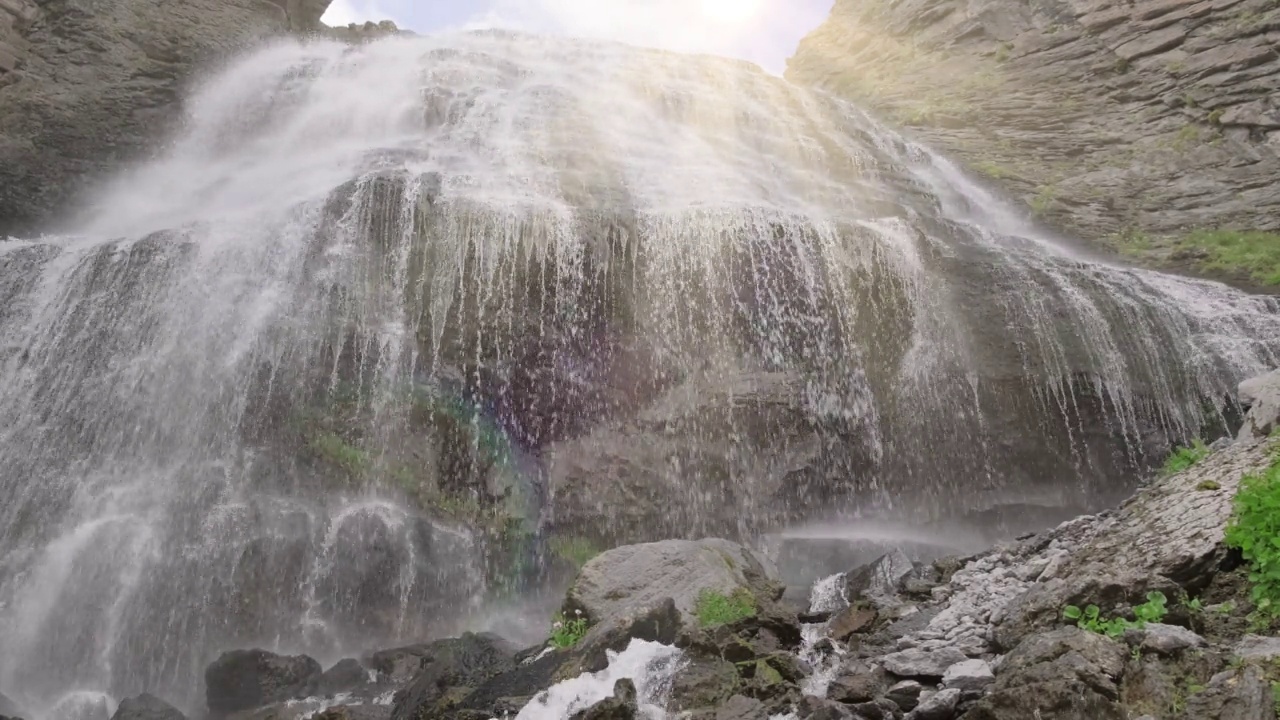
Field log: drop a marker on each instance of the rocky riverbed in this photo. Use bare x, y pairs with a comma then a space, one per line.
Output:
700, 630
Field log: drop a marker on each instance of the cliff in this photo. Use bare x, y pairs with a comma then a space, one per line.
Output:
1152, 125
86, 85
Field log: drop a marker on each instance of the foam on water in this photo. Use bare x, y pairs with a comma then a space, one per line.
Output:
651, 666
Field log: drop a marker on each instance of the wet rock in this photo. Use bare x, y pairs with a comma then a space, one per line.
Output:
704, 683
970, 676
740, 707
246, 679
921, 663
905, 694
660, 622
1243, 694
346, 676
879, 709
399, 665
364, 711
1262, 396
644, 575
857, 682
816, 708
1256, 647
451, 670
938, 706
146, 707
878, 582
851, 620
622, 706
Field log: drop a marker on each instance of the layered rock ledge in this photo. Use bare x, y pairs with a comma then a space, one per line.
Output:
1139, 121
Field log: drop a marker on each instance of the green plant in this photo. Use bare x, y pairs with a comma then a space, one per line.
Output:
566, 633
1215, 117
1225, 608
1254, 254
1275, 696
716, 608
1209, 485
1091, 618
332, 449
575, 550
1193, 605
1043, 200
1255, 530
1185, 457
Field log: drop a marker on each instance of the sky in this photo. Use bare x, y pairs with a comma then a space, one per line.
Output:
763, 31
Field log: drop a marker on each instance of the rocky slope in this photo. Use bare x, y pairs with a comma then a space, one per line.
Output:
86, 86
699, 631
1141, 121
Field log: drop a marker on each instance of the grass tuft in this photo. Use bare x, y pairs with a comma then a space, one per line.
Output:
716, 608
1184, 458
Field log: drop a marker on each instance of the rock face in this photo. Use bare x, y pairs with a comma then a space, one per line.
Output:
146, 707
1261, 395
641, 576
1152, 117
86, 86
247, 679
8, 708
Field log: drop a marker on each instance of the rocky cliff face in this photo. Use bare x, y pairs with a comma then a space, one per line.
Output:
86, 85
1140, 120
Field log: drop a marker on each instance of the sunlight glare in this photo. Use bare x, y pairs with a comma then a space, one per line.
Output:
730, 11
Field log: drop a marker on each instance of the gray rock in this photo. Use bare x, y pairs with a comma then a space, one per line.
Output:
879, 581
905, 694
345, 676
1166, 639
76, 108
465, 662
9, 708
1243, 694
857, 682
969, 676
816, 708
740, 707
1163, 103
247, 679
1257, 647
938, 706
644, 575
918, 663
146, 707
1262, 396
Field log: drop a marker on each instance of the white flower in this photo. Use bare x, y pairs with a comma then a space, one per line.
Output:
558, 625
578, 613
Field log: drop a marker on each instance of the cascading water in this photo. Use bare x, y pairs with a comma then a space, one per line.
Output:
384, 315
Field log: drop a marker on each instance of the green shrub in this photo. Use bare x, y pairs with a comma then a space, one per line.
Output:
1091, 619
1252, 253
1185, 457
1255, 530
716, 608
567, 633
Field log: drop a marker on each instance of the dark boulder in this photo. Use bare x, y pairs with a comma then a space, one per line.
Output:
451, 670
857, 682
346, 676
878, 582
146, 707
622, 706
816, 708
246, 679
9, 708
1243, 694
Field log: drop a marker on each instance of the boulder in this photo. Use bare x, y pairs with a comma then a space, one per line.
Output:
704, 683
1064, 674
921, 663
853, 619
643, 575
906, 694
247, 679
451, 670
816, 708
1261, 395
622, 706
345, 676
741, 707
938, 706
9, 708
146, 707
1163, 639
1257, 647
399, 665
878, 583
969, 676
1243, 694
857, 682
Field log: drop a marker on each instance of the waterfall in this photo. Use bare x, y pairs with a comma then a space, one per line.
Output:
382, 319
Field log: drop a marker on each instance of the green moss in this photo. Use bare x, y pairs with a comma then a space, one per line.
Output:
1255, 530
1252, 253
1209, 485
716, 608
766, 676
1044, 199
992, 170
330, 448
1184, 458
577, 551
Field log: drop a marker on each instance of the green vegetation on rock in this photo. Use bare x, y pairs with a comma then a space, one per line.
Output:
716, 608
1090, 618
1246, 256
1255, 530
566, 633
330, 448
577, 551
1185, 457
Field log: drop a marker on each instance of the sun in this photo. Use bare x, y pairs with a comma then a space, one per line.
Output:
730, 11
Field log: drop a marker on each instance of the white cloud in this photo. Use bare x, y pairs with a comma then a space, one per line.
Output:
345, 12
